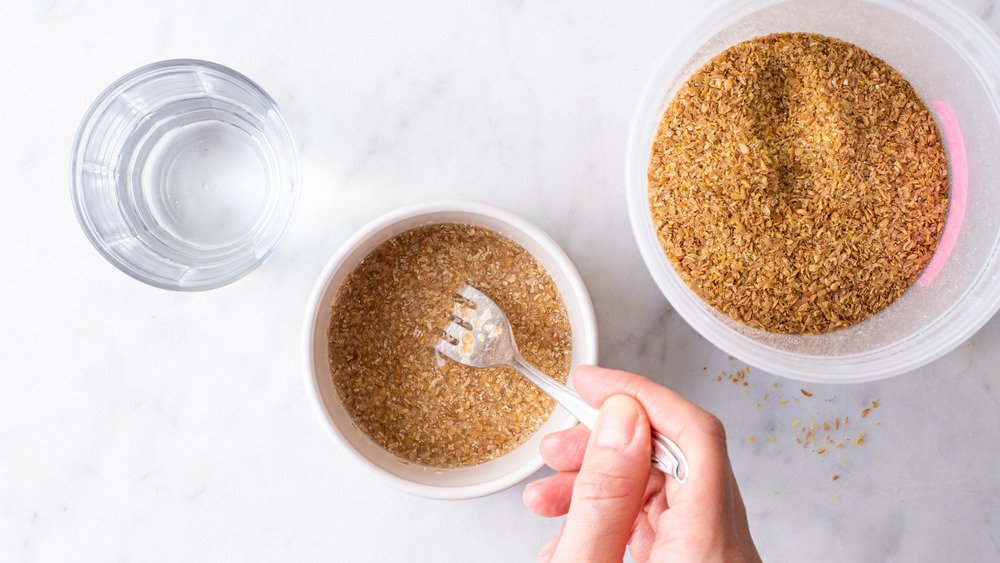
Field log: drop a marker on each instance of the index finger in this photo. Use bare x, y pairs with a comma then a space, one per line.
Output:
668, 411
697, 432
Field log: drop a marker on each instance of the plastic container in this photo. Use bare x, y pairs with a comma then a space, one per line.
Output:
184, 175
458, 483
953, 62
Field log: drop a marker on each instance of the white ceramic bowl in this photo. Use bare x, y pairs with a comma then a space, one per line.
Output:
951, 59
459, 483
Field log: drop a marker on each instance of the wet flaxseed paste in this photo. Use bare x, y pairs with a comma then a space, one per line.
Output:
416, 404
798, 184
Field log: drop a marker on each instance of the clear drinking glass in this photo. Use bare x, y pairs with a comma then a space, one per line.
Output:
184, 175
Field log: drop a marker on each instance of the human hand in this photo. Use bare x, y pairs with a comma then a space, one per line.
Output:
614, 498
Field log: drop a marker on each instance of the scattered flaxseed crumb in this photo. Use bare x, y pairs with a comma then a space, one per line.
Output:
431, 412
820, 436
798, 183
865, 412
835, 477
874, 404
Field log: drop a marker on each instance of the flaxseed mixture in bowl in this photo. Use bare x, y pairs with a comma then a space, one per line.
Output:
425, 424
809, 182
798, 183
399, 390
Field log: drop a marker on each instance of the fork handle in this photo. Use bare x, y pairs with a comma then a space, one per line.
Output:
666, 456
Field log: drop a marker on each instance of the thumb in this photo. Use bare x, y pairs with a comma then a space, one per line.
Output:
608, 492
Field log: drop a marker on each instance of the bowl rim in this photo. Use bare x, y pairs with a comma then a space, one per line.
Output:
856, 368
335, 263
82, 136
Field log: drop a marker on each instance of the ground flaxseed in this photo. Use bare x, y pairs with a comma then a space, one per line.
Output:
798, 184
416, 404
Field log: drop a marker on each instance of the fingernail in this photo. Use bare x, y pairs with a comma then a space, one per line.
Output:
527, 494
617, 421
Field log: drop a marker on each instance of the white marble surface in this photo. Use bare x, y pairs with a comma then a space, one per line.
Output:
143, 425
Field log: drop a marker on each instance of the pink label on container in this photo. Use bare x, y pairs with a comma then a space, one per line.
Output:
957, 198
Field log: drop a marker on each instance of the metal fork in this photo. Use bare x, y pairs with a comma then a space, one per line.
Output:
479, 336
